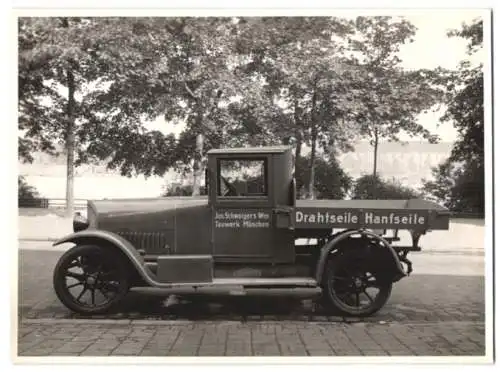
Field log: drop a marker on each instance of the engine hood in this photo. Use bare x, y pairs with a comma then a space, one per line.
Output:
150, 214
110, 208
155, 225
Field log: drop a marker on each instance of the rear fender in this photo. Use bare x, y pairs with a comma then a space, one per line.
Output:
106, 239
391, 258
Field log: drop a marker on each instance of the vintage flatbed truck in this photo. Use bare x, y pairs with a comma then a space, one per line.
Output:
244, 233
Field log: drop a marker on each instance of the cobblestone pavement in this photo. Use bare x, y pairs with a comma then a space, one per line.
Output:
167, 338
426, 315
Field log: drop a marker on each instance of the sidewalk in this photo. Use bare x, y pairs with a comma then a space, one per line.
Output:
44, 228
224, 338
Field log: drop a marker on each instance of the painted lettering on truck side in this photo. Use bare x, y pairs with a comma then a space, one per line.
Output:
365, 218
236, 218
242, 219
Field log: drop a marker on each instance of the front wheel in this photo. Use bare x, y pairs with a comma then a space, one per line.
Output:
353, 287
90, 280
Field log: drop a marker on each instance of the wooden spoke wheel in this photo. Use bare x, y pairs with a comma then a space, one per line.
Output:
353, 287
90, 280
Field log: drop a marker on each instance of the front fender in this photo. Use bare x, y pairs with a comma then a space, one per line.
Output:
93, 236
330, 246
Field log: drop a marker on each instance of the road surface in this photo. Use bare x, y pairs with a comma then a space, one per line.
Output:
439, 310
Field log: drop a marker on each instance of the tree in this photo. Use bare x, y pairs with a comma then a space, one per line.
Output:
216, 75
181, 190
28, 196
374, 187
468, 193
389, 98
441, 188
232, 81
465, 107
459, 181
25, 191
456, 186
60, 59
298, 59
50, 50
331, 182
189, 79
30, 88
331, 92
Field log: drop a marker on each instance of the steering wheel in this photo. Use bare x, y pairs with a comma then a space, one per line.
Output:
231, 189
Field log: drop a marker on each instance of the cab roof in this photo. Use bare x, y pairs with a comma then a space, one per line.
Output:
251, 150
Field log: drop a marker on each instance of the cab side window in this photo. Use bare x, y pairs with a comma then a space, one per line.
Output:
242, 178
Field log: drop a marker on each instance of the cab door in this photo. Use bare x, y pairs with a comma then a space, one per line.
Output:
243, 211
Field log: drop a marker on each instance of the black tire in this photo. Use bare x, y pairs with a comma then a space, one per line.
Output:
104, 272
342, 276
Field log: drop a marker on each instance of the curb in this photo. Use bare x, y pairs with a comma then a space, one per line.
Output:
340, 320
465, 252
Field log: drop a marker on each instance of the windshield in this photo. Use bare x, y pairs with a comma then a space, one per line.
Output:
242, 177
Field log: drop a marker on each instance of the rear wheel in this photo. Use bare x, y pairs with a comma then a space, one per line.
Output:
90, 279
353, 286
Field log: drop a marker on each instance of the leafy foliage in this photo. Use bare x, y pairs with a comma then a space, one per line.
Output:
456, 186
181, 190
374, 187
188, 77
465, 100
89, 84
25, 191
331, 181
302, 69
60, 59
458, 183
389, 98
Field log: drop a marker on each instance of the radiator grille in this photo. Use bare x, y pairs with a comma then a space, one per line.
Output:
151, 242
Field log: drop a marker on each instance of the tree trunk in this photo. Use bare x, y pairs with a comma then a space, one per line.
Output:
298, 151
198, 154
286, 140
312, 175
314, 136
70, 145
197, 165
298, 136
375, 153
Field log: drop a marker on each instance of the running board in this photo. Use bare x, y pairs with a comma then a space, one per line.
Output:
288, 282
267, 282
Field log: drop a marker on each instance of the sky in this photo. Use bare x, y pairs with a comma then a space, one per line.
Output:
433, 48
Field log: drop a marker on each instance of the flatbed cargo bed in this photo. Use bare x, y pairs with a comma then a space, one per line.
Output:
413, 214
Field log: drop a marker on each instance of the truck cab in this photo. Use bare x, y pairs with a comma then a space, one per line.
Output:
251, 195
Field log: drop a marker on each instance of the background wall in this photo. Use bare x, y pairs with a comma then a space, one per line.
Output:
408, 163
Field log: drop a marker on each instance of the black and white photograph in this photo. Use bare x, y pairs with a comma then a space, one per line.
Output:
209, 183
